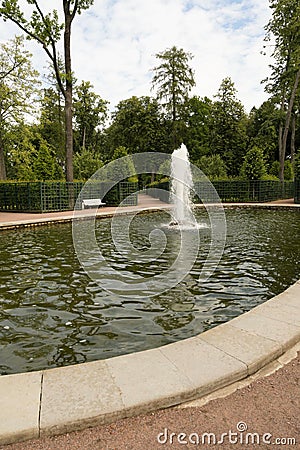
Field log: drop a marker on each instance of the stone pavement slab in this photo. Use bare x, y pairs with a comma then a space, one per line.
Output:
77, 396
149, 380
283, 333
19, 406
253, 350
207, 367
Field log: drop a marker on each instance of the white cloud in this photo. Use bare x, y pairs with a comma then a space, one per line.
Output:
115, 42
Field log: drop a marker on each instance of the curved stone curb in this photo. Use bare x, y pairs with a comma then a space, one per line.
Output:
64, 399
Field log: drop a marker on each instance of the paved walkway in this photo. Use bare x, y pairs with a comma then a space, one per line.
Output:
14, 219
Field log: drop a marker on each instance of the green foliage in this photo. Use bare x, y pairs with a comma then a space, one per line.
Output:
262, 129
46, 30
18, 87
86, 164
120, 152
213, 167
198, 127
137, 125
52, 122
30, 158
297, 166
121, 169
90, 113
174, 79
288, 170
283, 32
229, 121
254, 166
164, 170
283, 29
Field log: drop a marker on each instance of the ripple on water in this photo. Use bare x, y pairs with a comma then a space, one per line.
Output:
52, 314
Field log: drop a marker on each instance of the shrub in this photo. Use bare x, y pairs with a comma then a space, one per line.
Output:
213, 167
254, 165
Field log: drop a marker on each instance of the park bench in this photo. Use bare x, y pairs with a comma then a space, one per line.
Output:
93, 202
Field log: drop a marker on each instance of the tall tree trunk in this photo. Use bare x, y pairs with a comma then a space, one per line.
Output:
281, 155
293, 136
2, 161
61, 128
69, 94
289, 115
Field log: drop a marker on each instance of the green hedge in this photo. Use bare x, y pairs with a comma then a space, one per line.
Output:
297, 191
62, 196
232, 191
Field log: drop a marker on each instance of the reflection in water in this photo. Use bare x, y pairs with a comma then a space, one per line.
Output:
52, 314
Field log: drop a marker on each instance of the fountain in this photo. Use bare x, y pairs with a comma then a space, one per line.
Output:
181, 186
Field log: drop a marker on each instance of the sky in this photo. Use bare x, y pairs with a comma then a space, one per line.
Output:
114, 44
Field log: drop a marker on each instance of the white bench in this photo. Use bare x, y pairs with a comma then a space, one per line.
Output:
92, 202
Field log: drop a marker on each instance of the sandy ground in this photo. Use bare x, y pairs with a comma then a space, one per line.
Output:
269, 407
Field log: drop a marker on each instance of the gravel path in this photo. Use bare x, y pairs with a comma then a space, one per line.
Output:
268, 406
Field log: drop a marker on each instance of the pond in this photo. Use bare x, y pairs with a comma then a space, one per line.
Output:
52, 314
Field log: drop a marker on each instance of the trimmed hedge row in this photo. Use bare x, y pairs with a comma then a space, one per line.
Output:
232, 191
297, 191
61, 196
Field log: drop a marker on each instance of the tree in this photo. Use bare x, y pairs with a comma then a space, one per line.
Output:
229, 138
284, 81
197, 136
18, 87
297, 166
262, 129
213, 167
52, 124
30, 158
254, 167
46, 30
86, 164
174, 79
288, 170
123, 169
137, 124
90, 113
52, 117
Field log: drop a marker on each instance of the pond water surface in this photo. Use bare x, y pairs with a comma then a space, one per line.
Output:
52, 314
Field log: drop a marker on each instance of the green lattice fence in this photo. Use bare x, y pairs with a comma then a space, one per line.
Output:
297, 191
61, 196
232, 191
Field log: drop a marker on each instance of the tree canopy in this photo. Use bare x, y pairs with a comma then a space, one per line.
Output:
46, 30
174, 79
283, 83
18, 88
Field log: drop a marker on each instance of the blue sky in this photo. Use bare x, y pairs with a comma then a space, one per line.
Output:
115, 42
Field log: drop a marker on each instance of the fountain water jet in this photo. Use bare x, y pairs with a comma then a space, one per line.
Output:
181, 187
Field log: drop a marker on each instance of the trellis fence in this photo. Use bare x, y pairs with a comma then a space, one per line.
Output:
297, 191
234, 191
61, 196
